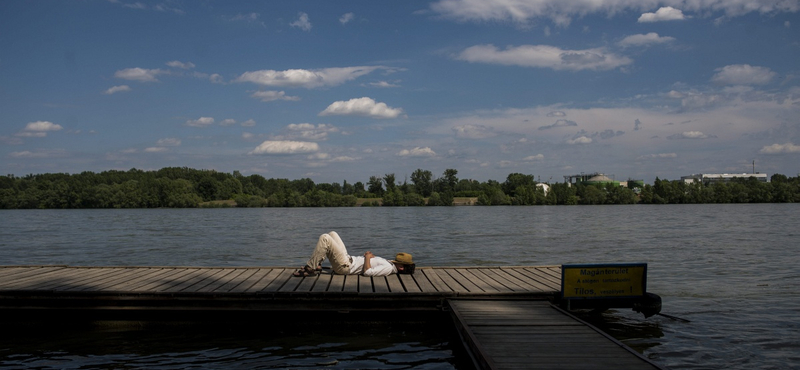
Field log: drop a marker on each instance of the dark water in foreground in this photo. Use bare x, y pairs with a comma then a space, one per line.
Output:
730, 269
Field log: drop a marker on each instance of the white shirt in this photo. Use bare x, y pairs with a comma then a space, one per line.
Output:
378, 266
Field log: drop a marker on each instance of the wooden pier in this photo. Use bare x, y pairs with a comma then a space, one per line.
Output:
492, 306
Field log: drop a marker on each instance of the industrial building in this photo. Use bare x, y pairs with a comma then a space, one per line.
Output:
711, 178
597, 178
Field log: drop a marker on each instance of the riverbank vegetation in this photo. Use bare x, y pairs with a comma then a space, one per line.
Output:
181, 187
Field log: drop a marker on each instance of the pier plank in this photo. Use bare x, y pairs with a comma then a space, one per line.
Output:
77, 277
467, 284
422, 281
234, 282
409, 283
155, 274
380, 284
265, 280
108, 281
153, 283
284, 282
504, 334
527, 282
395, 284
337, 283
15, 273
350, 283
364, 284
32, 280
220, 280
437, 281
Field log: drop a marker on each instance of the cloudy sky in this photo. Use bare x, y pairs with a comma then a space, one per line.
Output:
344, 90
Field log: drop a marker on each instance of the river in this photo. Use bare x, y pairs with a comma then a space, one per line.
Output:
731, 270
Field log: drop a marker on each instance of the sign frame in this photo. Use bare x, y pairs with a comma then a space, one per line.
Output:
611, 267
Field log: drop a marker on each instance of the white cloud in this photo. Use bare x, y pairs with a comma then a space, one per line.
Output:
306, 78
544, 56
200, 122
666, 13
181, 65
473, 132
155, 149
365, 106
307, 131
651, 38
285, 147
561, 12
383, 84
249, 123
534, 158
580, 140
39, 154
247, 135
139, 74
556, 113
116, 89
346, 18
302, 22
417, 152
690, 135
228, 122
270, 95
169, 142
658, 155
780, 149
42, 126
743, 74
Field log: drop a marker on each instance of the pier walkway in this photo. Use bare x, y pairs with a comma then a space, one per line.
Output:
503, 314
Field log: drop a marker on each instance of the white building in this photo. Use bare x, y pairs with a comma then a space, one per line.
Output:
710, 178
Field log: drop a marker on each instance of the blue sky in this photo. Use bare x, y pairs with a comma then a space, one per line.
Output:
345, 90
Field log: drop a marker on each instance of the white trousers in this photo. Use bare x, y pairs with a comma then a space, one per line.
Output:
330, 245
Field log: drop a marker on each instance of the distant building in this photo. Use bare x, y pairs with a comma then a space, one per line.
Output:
711, 178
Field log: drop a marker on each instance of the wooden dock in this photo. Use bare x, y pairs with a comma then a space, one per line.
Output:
531, 334
502, 313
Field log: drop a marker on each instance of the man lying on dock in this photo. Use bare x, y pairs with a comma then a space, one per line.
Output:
330, 245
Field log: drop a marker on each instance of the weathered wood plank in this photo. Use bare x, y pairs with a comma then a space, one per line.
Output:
109, 282
365, 284
239, 279
395, 283
156, 282
435, 280
323, 282
220, 280
45, 278
12, 274
530, 284
465, 282
350, 283
265, 281
77, 277
337, 283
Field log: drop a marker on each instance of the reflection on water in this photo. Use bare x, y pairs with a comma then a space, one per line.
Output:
106, 345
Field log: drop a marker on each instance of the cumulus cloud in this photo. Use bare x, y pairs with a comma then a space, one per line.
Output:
116, 89
268, 96
580, 140
169, 142
308, 131
383, 84
561, 12
306, 78
690, 135
780, 149
559, 123
42, 126
666, 13
473, 132
228, 122
302, 22
545, 56
651, 38
743, 74
200, 122
285, 147
658, 155
346, 18
365, 106
249, 123
417, 152
181, 65
139, 74
534, 158
155, 149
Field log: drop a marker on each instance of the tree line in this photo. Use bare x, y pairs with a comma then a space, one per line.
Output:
181, 187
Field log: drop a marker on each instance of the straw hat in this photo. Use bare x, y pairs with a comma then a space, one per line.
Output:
403, 259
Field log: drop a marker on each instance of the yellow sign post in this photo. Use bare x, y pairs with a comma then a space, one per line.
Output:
603, 281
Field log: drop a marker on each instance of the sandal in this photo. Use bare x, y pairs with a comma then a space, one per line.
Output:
305, 272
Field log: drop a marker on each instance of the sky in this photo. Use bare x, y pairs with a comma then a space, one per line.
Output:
345, 90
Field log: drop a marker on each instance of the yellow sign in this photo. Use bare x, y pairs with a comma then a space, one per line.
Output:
604, 280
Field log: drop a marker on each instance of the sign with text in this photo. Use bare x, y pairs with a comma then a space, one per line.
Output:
615, 280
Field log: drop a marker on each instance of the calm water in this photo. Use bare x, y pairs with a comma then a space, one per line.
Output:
732, 270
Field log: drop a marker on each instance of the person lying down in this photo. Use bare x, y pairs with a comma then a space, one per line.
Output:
331, 246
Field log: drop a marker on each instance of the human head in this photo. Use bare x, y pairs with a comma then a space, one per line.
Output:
404, 263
